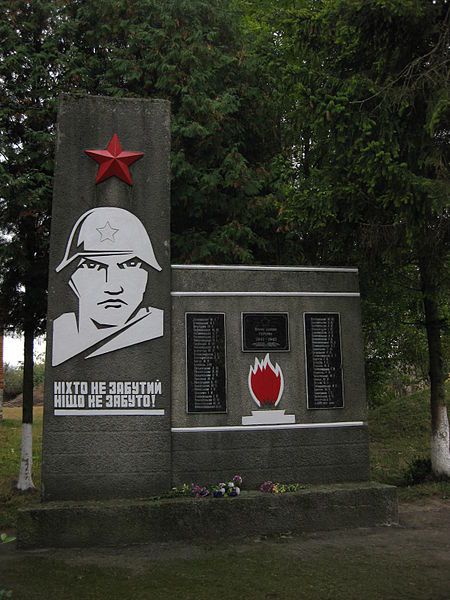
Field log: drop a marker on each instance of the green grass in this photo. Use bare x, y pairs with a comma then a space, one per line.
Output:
264, 571
10, 440
399, 432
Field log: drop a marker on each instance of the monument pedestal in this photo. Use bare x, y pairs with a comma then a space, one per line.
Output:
124, 522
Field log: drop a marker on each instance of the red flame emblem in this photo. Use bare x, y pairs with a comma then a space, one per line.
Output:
266, 382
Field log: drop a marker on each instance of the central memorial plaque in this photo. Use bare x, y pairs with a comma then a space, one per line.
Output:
265, 332
205, 355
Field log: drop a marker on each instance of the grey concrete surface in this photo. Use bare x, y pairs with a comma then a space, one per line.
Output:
291, 455
110, 456
310, 455
70, 524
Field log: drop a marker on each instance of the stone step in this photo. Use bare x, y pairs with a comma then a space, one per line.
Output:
123, 522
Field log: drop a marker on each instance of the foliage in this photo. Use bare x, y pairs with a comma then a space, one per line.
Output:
399, 433
419, 471
28, 76
6, 539
363, 87
269, 487
14, 378
232, 489
192, 53
13, 381
183, 490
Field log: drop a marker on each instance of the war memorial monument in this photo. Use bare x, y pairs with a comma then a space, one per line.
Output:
159, 374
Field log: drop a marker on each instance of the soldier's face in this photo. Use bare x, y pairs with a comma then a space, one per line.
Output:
109, 288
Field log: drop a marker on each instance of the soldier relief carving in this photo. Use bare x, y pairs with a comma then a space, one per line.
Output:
107, 259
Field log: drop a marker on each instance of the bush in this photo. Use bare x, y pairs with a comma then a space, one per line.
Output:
14, 378
13, 381
39, 372
419, 471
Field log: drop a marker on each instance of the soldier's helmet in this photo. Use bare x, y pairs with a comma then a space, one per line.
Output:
107, 231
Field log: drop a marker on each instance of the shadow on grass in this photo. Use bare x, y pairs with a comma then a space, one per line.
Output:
269, 571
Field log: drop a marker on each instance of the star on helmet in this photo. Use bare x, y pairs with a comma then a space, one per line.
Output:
107, 232
92, 235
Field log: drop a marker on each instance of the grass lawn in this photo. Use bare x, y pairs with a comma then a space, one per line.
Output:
400, 433
10, 440
284, 573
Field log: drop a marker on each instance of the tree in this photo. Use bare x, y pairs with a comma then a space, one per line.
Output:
188, 51
27, 79
365, 87
193, 53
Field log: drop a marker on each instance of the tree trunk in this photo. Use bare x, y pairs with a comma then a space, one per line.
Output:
440, 434
25, 481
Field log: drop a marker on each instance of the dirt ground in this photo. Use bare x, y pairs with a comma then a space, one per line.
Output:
411, 561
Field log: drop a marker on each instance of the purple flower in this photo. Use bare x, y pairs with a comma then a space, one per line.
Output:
267, 487
237, 480
199, 491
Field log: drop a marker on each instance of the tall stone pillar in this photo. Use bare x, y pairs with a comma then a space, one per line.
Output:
107, 390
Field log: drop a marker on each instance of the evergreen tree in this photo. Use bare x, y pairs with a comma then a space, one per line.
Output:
193, 53
190, 52
366, 103
28, 75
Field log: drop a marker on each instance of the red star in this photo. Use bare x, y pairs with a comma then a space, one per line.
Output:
114, 161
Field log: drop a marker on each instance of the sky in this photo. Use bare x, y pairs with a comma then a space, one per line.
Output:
13, 349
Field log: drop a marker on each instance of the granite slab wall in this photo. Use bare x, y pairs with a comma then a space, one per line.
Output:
318, 445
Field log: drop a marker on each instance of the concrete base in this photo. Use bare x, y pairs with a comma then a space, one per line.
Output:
123, 522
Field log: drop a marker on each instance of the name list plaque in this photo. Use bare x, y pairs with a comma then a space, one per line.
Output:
265, 332
323, 360
205, 347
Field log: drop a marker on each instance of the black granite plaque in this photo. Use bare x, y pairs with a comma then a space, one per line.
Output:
205, 348
323, 360
265, 331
